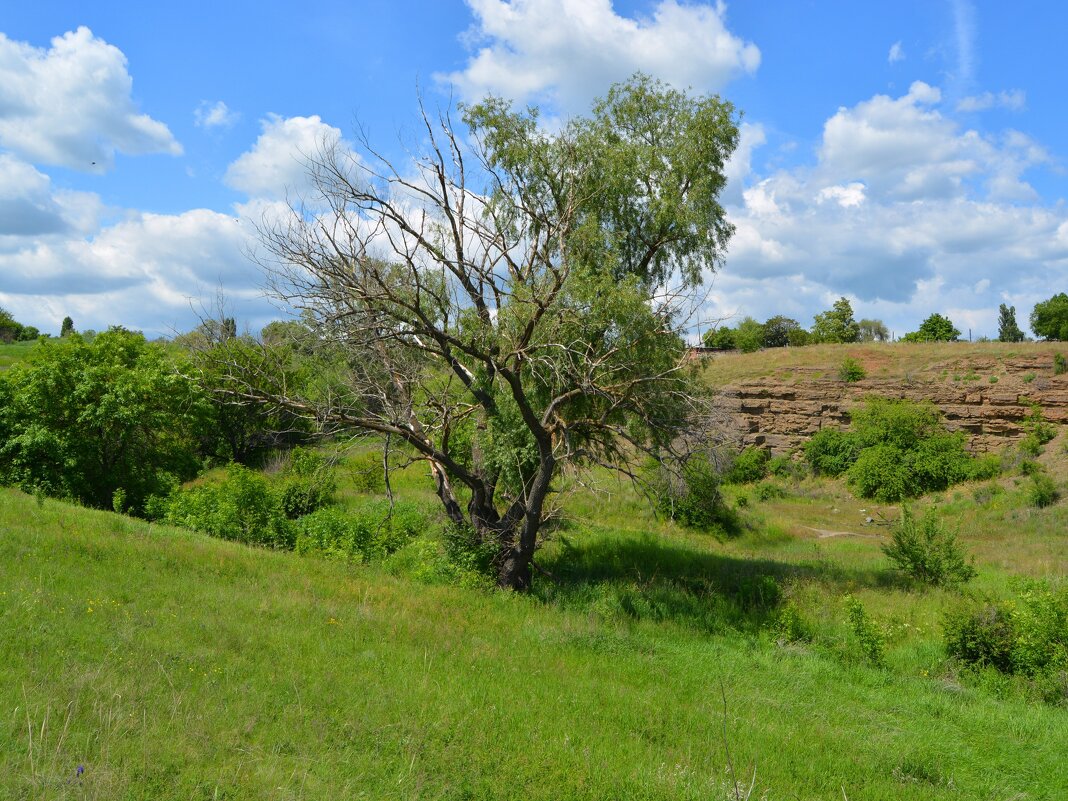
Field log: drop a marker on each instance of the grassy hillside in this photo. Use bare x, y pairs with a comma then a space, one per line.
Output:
138, 661
14, 352
899, 361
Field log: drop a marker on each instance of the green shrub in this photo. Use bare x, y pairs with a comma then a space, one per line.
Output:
1042, 492
748, 466
242, 507
790, 625
981, 635
785, 467
1060, 364
1029, 467
308, 483
1039, 432
1025, 635
851, 370
831, 451
367, 533
927, 551
985, 467
367, 473
897, 449
869, 634
691, 496
882, 472
898, 422
767, 491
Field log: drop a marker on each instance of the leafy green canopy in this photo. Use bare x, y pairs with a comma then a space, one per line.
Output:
1008, 329
936, 328
1049, 319
643, 175
84, 420
896, 449
836, 324
14, 331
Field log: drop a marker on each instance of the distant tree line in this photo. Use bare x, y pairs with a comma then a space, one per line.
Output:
13, 331
1049, 320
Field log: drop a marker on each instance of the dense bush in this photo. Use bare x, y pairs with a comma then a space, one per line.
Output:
1039, 432
1042, 492
308, 483
851, 371
371, 531
691, 496
831, 451
84, 419
750, 465
366, 472
785, 467
242, 507
927, 551
1025, 635
896, 449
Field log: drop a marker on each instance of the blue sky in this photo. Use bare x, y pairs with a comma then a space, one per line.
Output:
908, 155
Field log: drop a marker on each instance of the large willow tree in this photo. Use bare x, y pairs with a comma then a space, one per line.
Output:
509, 303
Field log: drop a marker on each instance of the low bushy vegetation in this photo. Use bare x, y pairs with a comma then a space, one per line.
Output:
83, 419
691, 496
927, 551
243, 507
747, 466
851, 371
1026, 635
896, 449
366, 533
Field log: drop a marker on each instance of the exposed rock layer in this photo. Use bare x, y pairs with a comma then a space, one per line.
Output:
783, 412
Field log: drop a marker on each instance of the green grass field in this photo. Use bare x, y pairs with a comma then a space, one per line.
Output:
143, 662
900, 361
14, 352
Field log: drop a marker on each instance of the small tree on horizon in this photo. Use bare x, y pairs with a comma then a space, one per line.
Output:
1008, 330
936, 328
67, 328
873, 331
1049, 319
836, 324
779, 331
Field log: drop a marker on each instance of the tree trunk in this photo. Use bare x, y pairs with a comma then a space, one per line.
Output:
514, 570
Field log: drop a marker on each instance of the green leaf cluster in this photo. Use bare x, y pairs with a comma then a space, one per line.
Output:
1026, 634
927, 551
13, 331
936, 328
836, 324
895, 449
1049, 319
82, 420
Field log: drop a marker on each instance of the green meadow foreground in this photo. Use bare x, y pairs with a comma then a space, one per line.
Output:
141, 661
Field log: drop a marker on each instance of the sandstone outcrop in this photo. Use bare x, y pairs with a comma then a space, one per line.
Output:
782, 412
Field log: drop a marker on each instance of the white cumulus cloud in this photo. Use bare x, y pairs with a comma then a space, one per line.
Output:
277, 164
570, 51
906, 212
214, 115
1013, 100
72, 104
